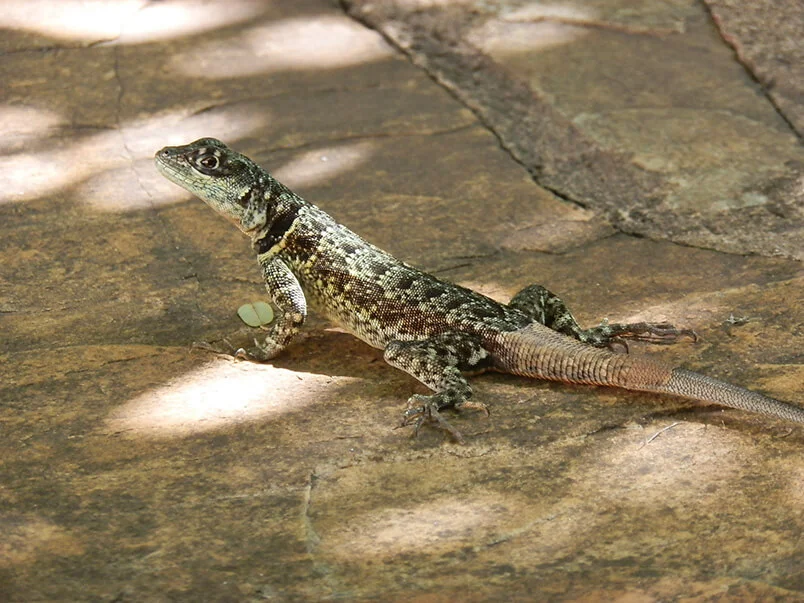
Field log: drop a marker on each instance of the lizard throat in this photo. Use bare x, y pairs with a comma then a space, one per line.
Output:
275, 230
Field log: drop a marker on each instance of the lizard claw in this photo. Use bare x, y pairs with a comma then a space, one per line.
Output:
241, 354
423, 409
208, 347
238, 354
659, 333
472, 405
261, 353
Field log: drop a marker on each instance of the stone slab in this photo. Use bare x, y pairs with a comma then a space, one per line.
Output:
136, 468
639, 112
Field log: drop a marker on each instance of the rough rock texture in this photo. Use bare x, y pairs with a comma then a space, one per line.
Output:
135, 469
637, 111
766, 35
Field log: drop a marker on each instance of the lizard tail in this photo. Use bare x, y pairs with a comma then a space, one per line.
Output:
699, 387
536, 351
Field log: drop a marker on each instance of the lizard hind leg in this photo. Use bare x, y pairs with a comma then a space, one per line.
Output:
548, 309
437, 362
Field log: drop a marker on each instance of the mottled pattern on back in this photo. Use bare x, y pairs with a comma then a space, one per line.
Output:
377, 297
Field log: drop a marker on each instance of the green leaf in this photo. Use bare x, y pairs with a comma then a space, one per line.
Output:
256, 314
248, 315
264, 311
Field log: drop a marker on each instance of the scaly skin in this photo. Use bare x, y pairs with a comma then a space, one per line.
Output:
433, 330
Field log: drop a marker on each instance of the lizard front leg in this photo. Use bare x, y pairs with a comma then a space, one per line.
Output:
437, 362
548, 309
288, 297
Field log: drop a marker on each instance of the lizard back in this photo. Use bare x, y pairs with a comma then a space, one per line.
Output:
376, 296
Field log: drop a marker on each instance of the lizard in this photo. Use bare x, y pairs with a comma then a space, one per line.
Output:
436, 331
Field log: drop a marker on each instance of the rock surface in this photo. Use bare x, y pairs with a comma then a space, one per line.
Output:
494, 144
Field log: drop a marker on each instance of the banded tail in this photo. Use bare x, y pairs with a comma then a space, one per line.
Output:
538, 352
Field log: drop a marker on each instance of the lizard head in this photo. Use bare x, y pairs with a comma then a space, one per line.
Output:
227, 181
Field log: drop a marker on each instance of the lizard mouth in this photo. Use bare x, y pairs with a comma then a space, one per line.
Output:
167, 161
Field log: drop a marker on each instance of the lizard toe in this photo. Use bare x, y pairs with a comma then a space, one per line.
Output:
472, 405
424, 409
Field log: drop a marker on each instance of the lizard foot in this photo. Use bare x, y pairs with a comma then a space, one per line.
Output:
425, 409
659, 333
261, 353
471, 405
208, 347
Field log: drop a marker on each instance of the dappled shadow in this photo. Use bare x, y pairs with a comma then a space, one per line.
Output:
137, 470
137, 22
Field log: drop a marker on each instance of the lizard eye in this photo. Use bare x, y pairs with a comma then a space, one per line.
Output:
210, 162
